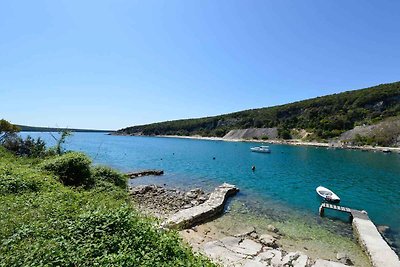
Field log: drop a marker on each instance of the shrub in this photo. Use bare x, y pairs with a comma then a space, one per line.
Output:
28, 147
72, 168
284, 133
104, 173
12, 184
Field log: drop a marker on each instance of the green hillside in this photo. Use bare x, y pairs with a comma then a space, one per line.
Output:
326, 116
25, 128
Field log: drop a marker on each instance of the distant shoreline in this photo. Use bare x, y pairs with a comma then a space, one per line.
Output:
285, 142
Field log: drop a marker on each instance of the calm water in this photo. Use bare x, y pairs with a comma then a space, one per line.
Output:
284, 180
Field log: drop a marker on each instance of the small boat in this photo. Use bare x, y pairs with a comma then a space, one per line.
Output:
327, 194
261, 149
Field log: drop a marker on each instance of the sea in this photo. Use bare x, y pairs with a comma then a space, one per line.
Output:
281, 189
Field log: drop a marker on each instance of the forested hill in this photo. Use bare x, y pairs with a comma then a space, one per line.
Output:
25, 128
325, 116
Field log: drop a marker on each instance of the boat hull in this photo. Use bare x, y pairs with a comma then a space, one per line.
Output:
260, 151
327, 195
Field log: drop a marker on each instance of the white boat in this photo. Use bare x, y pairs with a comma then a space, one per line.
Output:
327, 194
261, 149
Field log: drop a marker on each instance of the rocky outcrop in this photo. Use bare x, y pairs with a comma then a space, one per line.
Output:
162, 202
253, 251
213, 206
269, 133
386, 132
144, 173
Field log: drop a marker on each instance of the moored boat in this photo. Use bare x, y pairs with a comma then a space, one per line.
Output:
261, 149
327, 194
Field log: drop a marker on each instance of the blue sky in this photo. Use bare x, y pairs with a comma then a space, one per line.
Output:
112, 64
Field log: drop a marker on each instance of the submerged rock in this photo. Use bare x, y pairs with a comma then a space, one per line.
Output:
272, 228
325, 263
344, 258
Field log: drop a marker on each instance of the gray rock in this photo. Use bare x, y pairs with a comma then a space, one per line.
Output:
272, 228
344, 258
301, 261
191, 194
187, 206
216, 251
246, 247
289, 258
202, 199
194, 202
277, 258
246, 231
267, 240
254, 235
252, 263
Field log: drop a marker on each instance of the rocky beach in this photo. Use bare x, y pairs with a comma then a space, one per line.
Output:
231, 241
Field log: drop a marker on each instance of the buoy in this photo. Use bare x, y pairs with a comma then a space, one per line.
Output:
253, 168
213, 157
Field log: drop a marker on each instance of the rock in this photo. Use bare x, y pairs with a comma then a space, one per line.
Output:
268, 240
301, 261
246, 247
276, 259
252, 263
197, 191
215, 250
191, 194
144, 173
272, 228
194, 202
202, 199
325, 263
187, 206
344, 258
141, 189
254, 235
246, 231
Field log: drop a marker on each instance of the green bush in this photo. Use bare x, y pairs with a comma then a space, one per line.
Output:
11, 184
72, 168
66, 226
28, 147
104, 173
284, 133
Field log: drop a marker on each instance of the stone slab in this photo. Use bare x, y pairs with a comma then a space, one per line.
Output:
213, 206
379, 252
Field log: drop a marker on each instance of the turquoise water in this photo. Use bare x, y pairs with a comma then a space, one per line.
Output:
284, 181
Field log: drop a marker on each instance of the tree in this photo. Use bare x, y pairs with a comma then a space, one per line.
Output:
7, 129
61, 140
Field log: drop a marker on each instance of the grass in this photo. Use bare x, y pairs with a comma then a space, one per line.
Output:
45, 223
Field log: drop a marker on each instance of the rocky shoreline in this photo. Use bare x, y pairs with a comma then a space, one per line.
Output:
247, 247
294, 142
162, 202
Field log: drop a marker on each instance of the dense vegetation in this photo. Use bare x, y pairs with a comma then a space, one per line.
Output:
61, 211
25, 128
325, 117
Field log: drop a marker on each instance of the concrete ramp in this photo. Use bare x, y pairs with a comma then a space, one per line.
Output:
213, 206
379, 252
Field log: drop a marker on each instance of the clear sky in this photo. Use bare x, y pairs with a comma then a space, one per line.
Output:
113, 64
